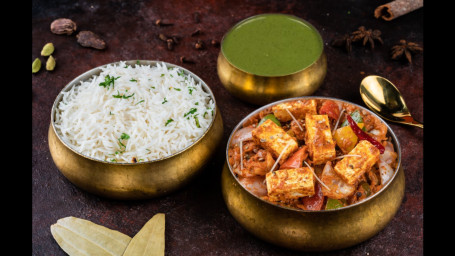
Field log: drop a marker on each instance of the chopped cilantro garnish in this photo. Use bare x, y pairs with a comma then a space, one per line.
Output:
192, 111
164, 101
168, 121
108, 80
124, 136
197, 121
123, 96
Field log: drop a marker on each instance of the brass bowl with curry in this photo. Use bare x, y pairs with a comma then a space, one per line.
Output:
313, 173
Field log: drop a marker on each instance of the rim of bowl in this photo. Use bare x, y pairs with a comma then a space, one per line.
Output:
95, 71
273, 13
389, 131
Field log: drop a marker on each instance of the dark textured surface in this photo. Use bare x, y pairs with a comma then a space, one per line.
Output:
197, 220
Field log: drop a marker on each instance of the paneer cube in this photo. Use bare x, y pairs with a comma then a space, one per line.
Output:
274, 139
351, 168
299, 109
318, 137
288, 184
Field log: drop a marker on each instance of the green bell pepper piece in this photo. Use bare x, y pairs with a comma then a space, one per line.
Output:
333, 204
272, 117
356, 117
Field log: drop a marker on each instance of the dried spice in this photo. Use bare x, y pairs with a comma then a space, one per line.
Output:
405, 48
160, 22
50, 63
183, 59
63, 26
150, 239
36, 65
199, 45
176, 39
366, 36
196, 32
215, 43
82, 237
90, 39
170, 43
47, 50
162, 37
344, 41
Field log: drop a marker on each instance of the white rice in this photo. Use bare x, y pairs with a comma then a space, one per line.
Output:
133, 127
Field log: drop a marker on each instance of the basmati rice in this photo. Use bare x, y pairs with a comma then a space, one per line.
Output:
134, 113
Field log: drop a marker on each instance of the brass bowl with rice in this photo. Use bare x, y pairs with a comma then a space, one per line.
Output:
134, 129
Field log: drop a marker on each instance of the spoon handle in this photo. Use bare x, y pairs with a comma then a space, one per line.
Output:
411, 121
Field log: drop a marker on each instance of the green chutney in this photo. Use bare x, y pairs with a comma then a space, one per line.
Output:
272, 45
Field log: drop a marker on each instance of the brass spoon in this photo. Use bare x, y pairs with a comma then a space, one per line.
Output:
381, 96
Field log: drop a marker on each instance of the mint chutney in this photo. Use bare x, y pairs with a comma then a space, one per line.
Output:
272, 45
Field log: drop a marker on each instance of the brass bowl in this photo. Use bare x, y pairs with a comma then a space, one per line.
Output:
134, 180
313, 230
260, 90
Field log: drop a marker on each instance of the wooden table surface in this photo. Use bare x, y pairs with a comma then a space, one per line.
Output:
197, 220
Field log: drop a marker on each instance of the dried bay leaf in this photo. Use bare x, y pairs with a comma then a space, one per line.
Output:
149, 240
82, 237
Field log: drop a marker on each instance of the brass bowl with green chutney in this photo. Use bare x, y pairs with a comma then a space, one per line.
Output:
305, 230
139, 180
269, 57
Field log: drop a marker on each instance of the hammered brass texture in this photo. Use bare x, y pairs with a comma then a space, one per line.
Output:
313, 230
260, 90
135, 180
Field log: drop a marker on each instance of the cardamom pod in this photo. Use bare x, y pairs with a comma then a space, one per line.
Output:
82, 237
149, 240
36, 65
48, 49
50, 63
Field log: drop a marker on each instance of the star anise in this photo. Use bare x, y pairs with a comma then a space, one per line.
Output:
406, 49
343, 41
368, 36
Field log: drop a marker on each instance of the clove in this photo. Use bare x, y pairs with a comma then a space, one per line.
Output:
170, 44
185, 60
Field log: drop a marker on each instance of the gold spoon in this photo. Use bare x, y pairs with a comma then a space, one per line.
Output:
381, 96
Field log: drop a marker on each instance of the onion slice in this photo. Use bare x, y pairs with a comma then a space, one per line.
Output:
317, 178
338, 121
243, 134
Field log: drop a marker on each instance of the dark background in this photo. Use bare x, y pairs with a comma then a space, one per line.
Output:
197, 220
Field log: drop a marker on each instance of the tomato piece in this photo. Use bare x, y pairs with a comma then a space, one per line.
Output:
296, 160
331, 109
315, 202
